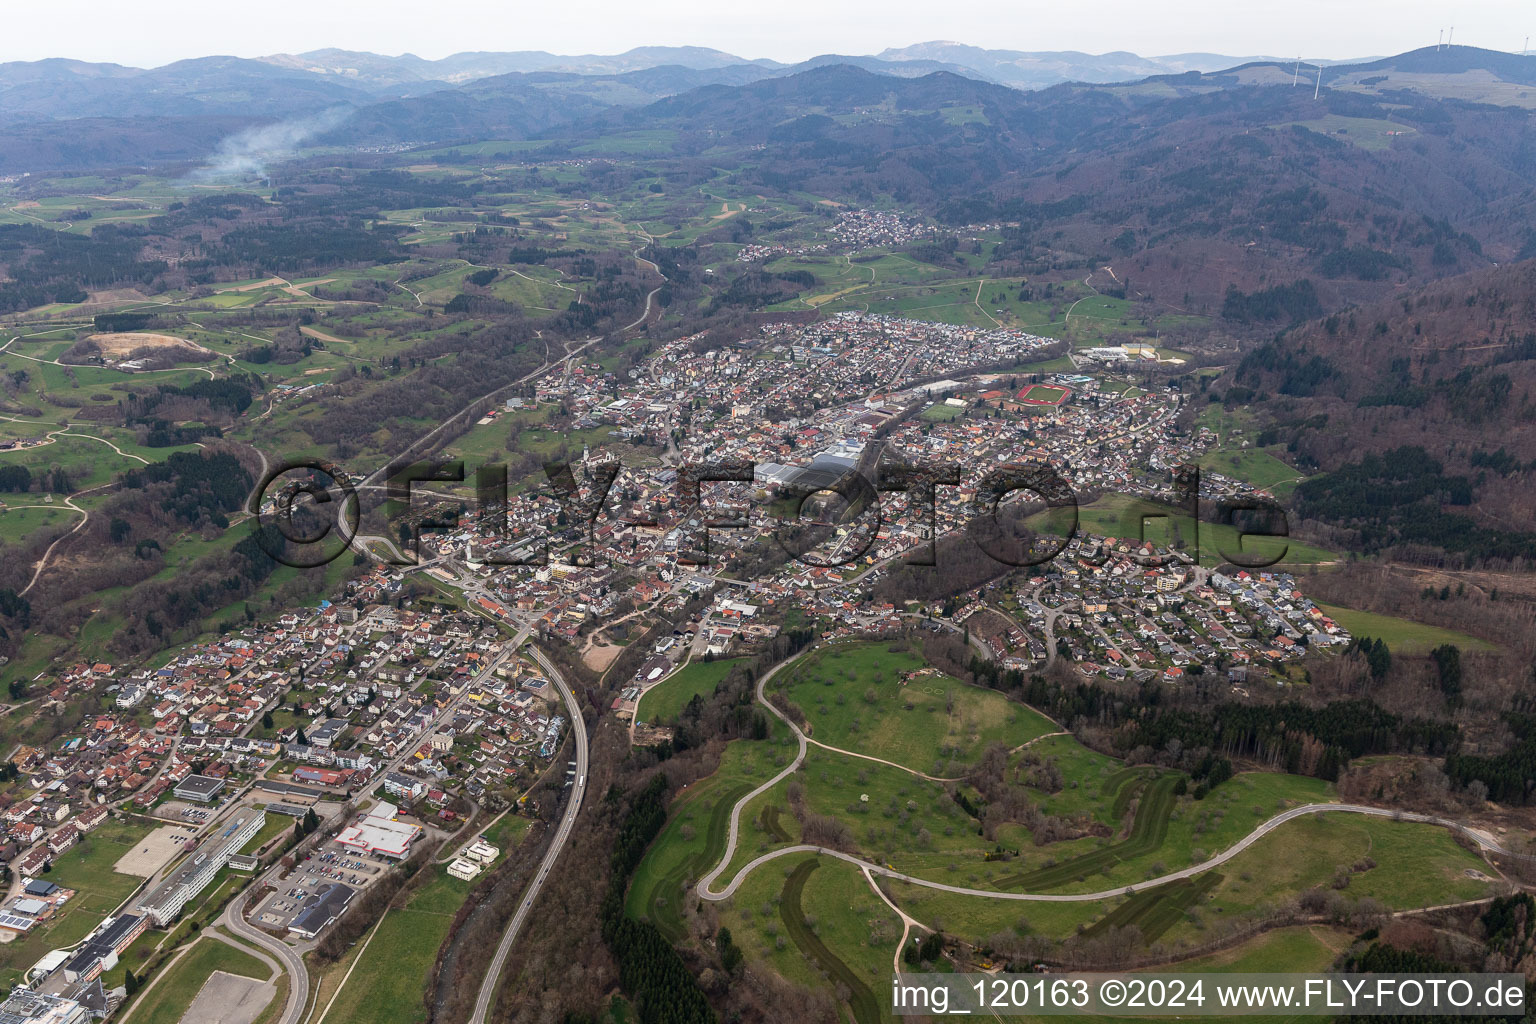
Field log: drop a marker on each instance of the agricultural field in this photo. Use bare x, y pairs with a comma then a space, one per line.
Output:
890, 705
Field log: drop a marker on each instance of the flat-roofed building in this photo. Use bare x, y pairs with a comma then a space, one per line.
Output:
378, 832
168, 899
480, 851
199, 788
100, 951
24, 1007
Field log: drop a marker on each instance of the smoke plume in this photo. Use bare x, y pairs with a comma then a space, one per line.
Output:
247, 154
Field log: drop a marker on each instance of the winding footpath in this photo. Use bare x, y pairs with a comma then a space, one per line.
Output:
706, 886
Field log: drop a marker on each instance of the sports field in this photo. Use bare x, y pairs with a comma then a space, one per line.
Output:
1044, 394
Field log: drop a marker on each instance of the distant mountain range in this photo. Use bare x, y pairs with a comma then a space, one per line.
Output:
66, 114
275, 85
1027, 70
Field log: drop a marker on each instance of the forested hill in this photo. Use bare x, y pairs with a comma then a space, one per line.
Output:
1421, 408
1196, 184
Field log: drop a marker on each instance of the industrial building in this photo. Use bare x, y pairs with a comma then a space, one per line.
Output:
23, 1007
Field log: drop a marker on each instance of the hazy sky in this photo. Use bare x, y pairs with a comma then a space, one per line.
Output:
152, 32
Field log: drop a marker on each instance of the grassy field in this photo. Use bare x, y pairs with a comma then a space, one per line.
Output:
390, 976
1284, 950
1366, 132
662, 702
1416, 866
274, 824
1168, 832
917, 827
17, 524
893, 816
1147, 833
1254, 466
975, 918
1402, 636
817, 922
86, 868
940, 412
1091, 780
167, 1002
1153, 911
1301, 948
1044, 394
387, 984
694, 837
863, 697
1123, 516
803, 931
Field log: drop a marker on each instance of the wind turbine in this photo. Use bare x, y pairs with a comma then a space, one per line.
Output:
1451, 37
1440, 39
1319, 86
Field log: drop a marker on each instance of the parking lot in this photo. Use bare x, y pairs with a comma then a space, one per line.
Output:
329, 864
182, 811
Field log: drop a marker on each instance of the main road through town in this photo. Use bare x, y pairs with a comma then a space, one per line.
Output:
492, 980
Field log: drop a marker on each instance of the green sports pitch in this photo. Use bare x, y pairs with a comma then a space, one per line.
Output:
1044, 394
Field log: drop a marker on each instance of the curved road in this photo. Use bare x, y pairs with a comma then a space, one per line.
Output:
735, 822
706, 890
293, 963
492, 980
1085, 897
